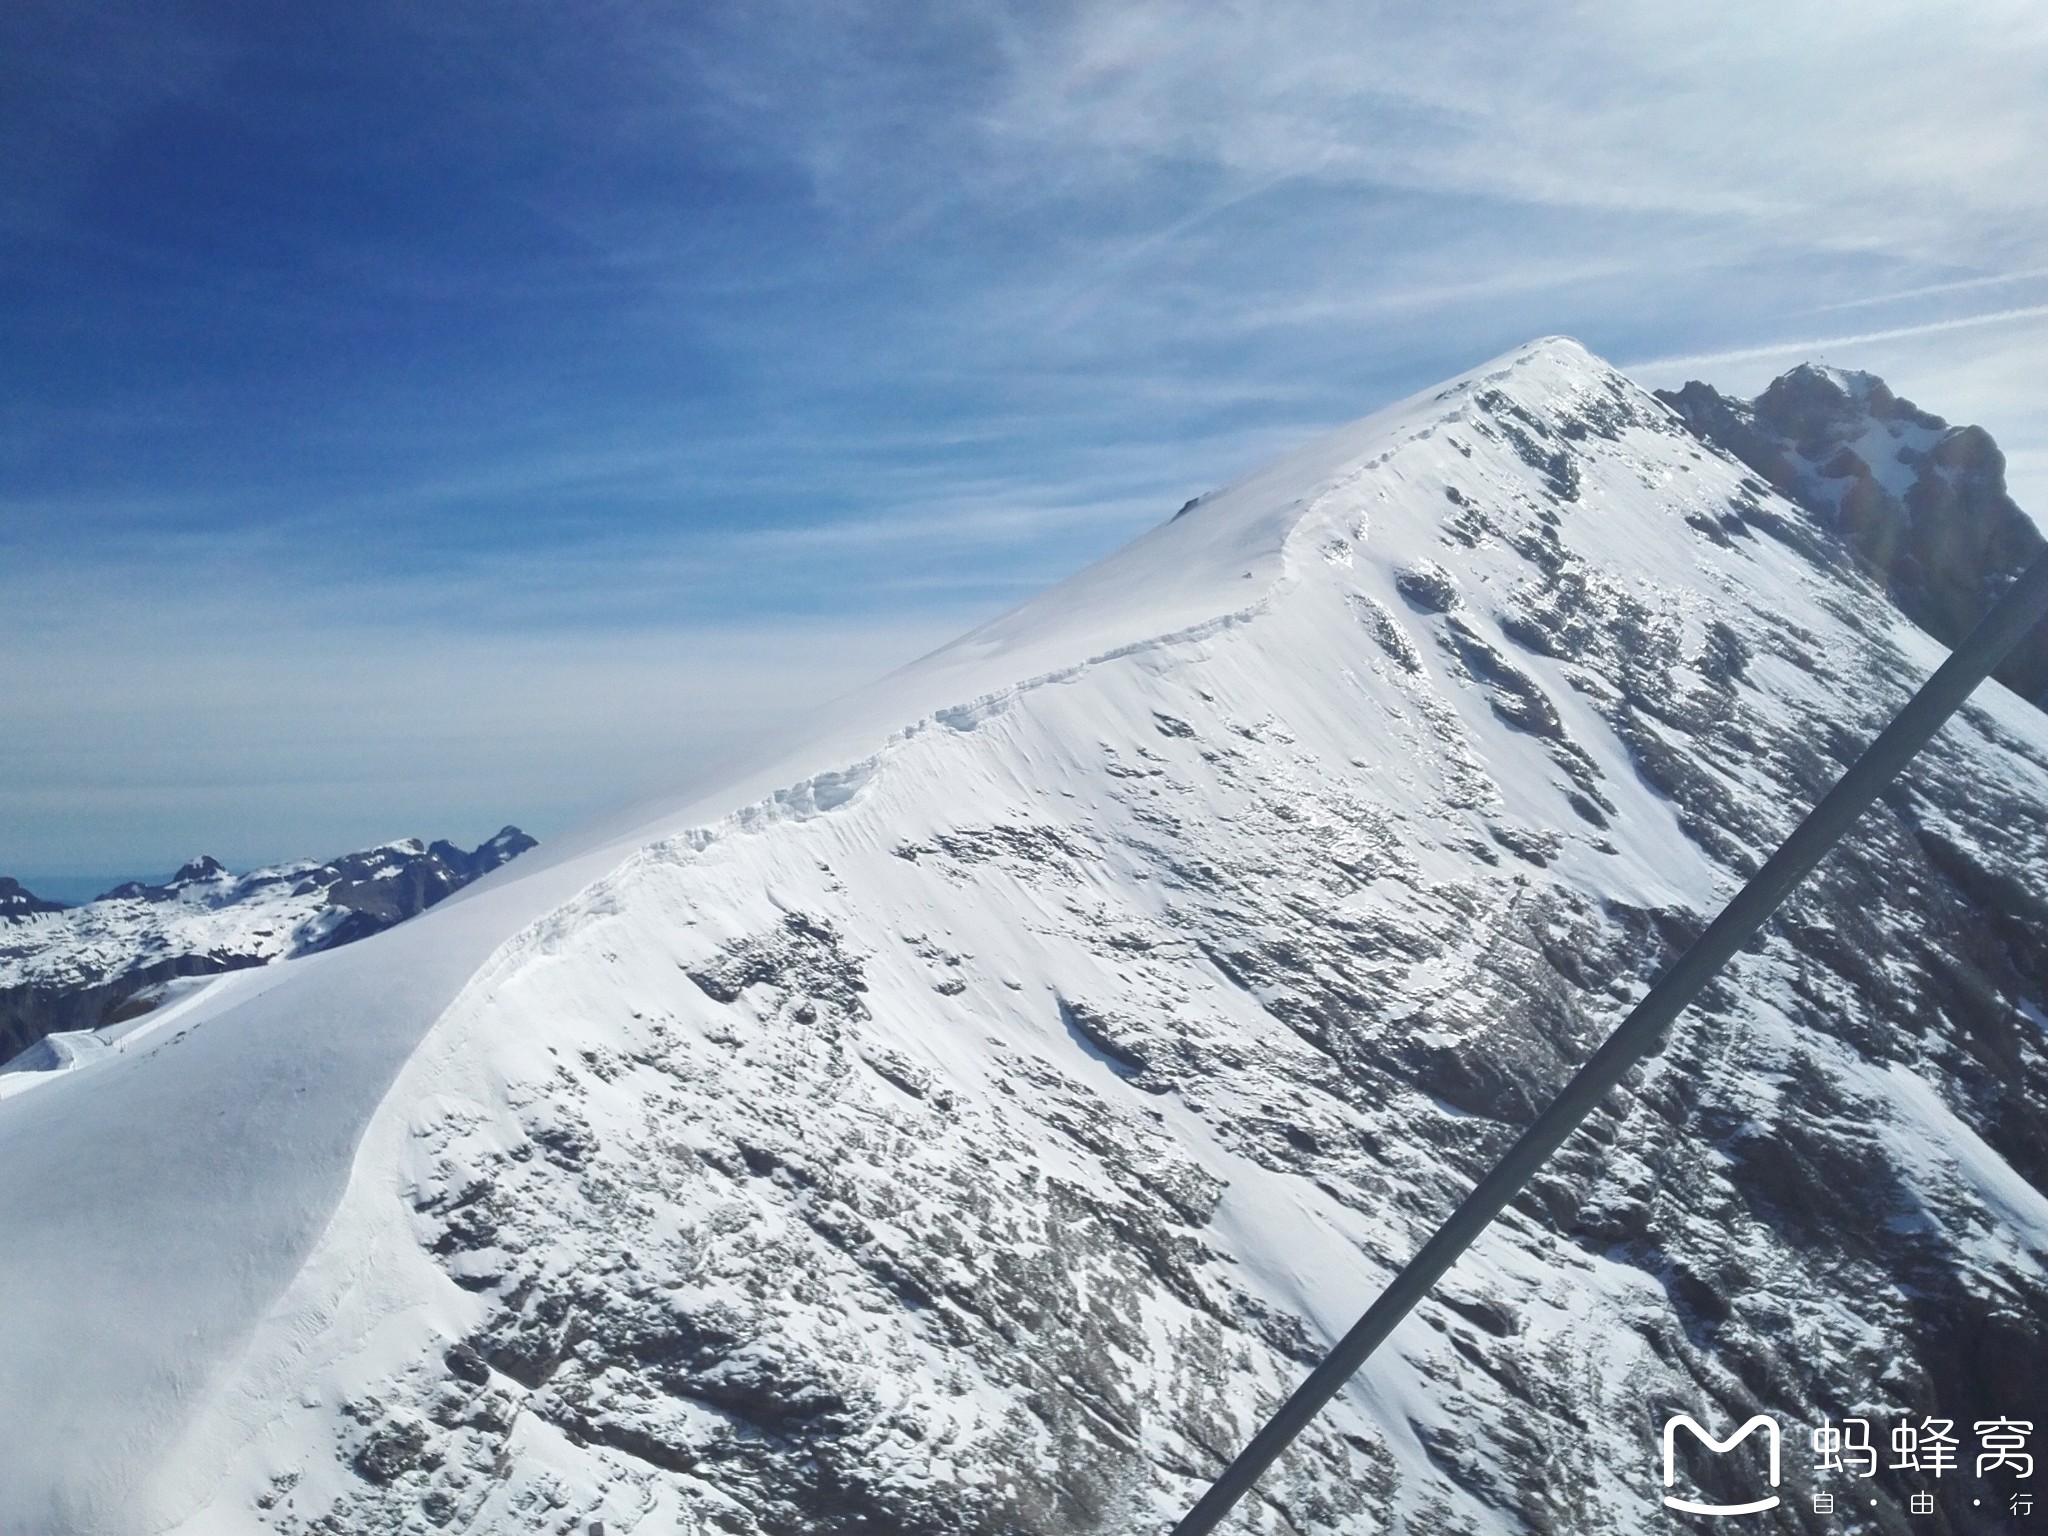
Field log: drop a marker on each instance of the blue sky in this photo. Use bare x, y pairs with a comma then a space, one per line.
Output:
422, 417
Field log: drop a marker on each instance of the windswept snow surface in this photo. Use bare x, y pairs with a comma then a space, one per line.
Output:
976, 1119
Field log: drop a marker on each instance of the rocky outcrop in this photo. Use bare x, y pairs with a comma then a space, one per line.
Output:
18, 902
1920, 504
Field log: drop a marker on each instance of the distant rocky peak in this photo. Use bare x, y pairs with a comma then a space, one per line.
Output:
387, 884
1817, 404
506, 845
17, 902
1920, 505
204, 868
509, 843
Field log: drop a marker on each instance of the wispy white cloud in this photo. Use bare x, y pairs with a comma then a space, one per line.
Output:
874, 314
1600, 105
1930, 290
1815, 346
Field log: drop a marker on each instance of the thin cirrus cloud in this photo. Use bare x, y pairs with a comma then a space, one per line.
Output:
1611, 105
529, 351
1928, 290
1812, 346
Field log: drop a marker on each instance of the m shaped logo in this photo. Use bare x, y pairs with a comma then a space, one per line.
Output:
1671, 1427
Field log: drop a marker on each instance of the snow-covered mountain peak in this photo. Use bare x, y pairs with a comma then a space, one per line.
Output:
203, 879
1226, 552
1824, 393
973, 1120
205, 867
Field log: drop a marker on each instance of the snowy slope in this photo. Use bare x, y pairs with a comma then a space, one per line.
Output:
973, 1120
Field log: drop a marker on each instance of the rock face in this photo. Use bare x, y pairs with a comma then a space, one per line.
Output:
72, 969
980, 1134
1919, 504
17, 901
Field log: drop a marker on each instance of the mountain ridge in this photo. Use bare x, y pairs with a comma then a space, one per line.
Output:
977, 1129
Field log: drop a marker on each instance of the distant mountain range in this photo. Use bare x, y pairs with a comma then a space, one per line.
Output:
65, 969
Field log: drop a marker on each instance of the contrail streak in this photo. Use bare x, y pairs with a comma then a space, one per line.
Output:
1821, 343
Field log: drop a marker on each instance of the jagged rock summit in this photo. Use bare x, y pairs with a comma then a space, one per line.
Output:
18, 903
1916, 502
974, 1118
